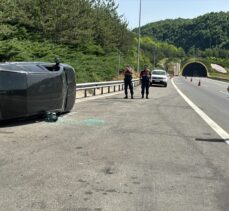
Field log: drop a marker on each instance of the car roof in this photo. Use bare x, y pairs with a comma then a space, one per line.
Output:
26, 66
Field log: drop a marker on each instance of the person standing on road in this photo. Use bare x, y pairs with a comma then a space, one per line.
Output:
128, 82
145, 81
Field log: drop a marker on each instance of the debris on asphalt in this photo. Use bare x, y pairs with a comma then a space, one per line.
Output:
51, 117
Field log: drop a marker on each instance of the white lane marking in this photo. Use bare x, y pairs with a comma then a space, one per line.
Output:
220, 131
224, 92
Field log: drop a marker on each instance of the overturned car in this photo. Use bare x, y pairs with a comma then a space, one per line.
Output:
34, 88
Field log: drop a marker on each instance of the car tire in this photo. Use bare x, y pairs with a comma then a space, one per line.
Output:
165, 85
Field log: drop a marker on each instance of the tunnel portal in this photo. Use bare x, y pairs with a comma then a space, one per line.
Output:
195, 69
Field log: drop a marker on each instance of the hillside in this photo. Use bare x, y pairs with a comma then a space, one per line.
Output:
89, 35
95, 40
204, 32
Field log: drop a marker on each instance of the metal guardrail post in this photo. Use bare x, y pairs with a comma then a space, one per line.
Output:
117, 86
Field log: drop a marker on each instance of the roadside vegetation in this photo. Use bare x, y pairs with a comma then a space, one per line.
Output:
95, 40
205, 38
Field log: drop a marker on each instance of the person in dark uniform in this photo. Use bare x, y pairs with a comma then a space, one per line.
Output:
128, 82
145, 81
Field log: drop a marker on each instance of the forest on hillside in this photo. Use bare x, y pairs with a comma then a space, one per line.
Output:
204, 36
96, 41
71, 22
88, 34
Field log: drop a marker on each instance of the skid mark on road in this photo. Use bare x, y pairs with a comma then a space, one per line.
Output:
220, 131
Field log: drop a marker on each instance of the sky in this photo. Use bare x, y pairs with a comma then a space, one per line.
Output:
155, 10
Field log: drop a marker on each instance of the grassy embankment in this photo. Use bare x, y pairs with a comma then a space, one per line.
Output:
91, 64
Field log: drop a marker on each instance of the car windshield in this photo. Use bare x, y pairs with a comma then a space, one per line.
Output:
159, 73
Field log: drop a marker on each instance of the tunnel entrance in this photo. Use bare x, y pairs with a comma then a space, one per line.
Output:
195, 69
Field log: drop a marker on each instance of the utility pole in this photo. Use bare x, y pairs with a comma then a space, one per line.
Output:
119, 62
139, 34
154, 57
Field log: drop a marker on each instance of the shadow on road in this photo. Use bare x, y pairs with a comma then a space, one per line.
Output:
122, 98
157, 86
19, 122
218, 140
29, 120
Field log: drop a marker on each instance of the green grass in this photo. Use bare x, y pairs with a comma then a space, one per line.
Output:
89, 67
217, 75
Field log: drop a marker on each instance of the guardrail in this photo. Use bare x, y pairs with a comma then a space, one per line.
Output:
90, 89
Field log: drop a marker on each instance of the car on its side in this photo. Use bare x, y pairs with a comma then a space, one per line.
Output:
159, 76
34, 88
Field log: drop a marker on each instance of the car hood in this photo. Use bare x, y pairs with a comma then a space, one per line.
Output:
159, 76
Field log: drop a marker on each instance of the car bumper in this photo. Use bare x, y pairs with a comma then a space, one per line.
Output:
159, 82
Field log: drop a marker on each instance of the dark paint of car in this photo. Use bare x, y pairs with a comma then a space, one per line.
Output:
34, 88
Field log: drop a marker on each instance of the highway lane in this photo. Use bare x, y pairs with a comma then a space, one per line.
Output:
116, 154
211, 97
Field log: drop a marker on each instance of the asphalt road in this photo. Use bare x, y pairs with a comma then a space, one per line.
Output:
116, 154
211, 96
